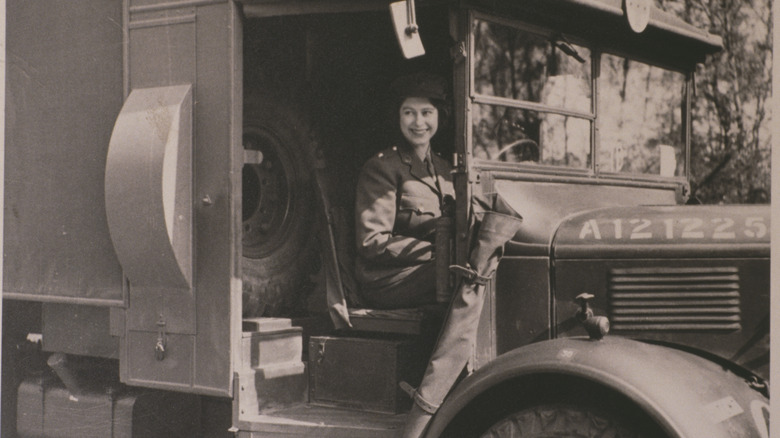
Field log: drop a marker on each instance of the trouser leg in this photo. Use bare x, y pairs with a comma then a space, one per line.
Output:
416, 287
458, 334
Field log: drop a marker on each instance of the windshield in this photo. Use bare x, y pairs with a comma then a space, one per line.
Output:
640, 118
533, 103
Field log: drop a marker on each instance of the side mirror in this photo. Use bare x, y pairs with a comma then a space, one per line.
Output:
405, 25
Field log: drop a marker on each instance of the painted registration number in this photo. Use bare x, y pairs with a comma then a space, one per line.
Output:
692, 228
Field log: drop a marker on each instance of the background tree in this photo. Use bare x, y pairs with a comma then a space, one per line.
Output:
731, 142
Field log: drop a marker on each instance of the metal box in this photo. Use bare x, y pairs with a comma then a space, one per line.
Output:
364, 374
47, 409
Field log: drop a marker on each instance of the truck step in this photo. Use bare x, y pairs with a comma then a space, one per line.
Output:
321, 422
272, 374
270, 343
261, 324
271, 388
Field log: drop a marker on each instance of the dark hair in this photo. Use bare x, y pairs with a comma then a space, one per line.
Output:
420, 84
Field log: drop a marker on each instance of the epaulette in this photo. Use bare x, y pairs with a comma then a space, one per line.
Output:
383, 153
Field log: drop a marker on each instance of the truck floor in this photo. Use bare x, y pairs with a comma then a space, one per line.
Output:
318, 421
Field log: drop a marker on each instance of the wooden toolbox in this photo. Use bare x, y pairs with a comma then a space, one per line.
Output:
363, 373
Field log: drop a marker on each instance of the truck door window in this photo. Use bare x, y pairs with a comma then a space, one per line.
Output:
533, 97
640, 118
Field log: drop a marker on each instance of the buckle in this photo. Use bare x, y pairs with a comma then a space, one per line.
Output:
469, 274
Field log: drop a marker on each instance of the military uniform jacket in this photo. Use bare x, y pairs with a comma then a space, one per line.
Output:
396, 206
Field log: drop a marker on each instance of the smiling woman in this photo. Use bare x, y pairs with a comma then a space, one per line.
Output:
400, 193
419, 123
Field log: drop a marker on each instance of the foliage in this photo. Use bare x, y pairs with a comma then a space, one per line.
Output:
731, 142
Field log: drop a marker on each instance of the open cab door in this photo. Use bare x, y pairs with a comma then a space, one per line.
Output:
169, 205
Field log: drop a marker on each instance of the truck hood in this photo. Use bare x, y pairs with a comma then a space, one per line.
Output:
666, 231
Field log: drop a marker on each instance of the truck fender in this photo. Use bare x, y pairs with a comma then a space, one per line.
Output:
685, 394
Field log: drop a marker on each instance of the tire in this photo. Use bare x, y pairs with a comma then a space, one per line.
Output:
552, 405
278, 207
560, 420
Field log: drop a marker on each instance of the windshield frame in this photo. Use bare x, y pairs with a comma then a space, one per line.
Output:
596, 48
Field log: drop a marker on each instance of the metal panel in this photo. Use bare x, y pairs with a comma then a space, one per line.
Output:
746, 346
146, 370
678, 390
166, 42
64, 89
522, 302
665, 231
149, 187
171, 43
604, 22
149, 206
218, 162
79, 330
544, 204
674, 298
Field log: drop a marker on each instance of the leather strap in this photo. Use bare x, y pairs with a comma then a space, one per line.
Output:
469, 274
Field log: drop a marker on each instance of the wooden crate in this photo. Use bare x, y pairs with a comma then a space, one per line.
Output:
363, 373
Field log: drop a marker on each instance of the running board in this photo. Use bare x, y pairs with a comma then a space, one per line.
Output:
321, 422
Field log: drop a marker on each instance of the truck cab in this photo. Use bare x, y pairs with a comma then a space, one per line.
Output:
179, 222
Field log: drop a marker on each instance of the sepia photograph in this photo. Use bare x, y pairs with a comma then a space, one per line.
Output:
387, 218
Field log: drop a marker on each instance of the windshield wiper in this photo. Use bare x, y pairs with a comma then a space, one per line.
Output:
562, 43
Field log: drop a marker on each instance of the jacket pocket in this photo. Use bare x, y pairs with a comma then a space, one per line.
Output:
416, 214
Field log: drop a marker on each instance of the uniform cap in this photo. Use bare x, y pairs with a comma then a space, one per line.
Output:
420, 85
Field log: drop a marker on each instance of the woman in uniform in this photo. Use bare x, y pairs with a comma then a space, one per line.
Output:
400, 193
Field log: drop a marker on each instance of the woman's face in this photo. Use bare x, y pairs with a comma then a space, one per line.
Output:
419, 120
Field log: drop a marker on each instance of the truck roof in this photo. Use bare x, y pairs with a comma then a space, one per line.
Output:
666, 39
661, 20
602, 20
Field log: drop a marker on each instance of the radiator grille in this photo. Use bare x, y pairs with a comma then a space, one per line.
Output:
667, 298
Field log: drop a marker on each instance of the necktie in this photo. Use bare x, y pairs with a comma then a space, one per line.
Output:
432, 172
429, 166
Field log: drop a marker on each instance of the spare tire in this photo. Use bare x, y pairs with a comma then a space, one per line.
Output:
278, 208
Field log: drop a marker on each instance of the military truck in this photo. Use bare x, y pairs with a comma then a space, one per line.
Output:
177, 224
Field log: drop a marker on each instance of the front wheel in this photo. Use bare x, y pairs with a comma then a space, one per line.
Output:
552, 405
561, 420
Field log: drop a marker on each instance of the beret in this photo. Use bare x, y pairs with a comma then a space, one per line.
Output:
420, 85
